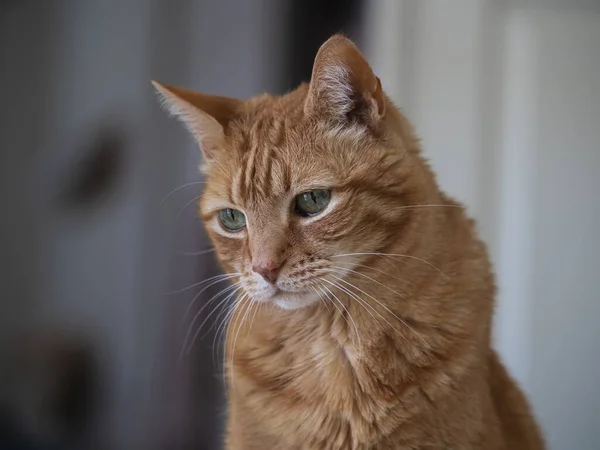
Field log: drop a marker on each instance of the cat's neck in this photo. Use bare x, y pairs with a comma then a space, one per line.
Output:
418, 324
408, 303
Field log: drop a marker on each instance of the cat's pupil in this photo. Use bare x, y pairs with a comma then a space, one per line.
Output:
312, 202
232, 219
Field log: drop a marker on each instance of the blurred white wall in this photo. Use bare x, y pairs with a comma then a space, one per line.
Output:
564, 288
506, 96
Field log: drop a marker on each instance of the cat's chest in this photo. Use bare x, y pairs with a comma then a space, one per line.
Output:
310, 366
318, 385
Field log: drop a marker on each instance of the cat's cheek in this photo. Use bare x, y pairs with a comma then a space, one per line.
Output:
228, 251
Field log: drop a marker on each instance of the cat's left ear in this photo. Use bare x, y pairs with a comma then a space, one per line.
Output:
343, 86
206, 116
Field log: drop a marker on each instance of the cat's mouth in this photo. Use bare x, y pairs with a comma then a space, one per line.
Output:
284, 293
293, 300
287, 299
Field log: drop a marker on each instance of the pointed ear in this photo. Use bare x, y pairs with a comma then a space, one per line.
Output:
343, 86
206, 116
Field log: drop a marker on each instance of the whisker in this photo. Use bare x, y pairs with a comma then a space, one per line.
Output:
223, 316
197, 315
371, 268
240, 324
431, 206
237, 305
322, 300
344, 269
223, 301
370, 306
383, 306
195, 199
199, 312
197, 296
200, 283
223, 319
226, 324
193, 183
353, 296
348, 312
397, 255
201, 252
253, 317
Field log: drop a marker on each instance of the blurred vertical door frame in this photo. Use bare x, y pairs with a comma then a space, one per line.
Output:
309, 24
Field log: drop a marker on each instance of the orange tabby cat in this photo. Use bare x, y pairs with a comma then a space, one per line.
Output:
366, 297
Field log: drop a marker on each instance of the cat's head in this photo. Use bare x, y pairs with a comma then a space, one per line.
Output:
301, 187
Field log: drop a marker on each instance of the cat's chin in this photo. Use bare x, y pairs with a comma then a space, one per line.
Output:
294, 300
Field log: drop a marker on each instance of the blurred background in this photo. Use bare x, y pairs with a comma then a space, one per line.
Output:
99, 235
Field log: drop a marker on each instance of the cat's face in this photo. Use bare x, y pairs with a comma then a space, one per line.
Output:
286, 207
300, 187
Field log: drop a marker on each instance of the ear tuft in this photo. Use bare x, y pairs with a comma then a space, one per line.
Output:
205, 116
164, 96
343, 86
335, 88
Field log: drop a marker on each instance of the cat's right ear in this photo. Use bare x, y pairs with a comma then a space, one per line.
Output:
205, 116
343, 87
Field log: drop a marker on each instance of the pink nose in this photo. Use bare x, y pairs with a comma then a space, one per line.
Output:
269, 271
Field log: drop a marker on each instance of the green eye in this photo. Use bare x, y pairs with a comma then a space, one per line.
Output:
312, 202
232, 219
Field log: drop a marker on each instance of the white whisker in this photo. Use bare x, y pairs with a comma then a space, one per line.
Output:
217, 308
258, 304
322, 300
230, 316
223, 301
197, 296
370, 306
346, 270
396, 255
383, 306
200, 283
430, 206
348, 312
197, 315
193, 183
201, 252
195, 199
353, 296
240, 324
223, 319
371, 268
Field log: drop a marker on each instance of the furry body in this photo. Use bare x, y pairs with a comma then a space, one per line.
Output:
376, 334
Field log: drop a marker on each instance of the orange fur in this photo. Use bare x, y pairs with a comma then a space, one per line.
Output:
379, 334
